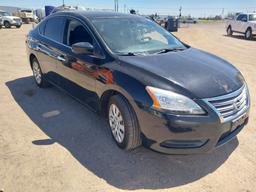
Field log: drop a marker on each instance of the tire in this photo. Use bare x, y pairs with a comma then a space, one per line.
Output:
229, 31
127, 121
18, 26
7, 24
38, 75
248, 34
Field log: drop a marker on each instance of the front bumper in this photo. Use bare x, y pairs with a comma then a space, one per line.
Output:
172, 134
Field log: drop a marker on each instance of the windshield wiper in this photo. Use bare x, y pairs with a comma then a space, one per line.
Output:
130, 54
169, 50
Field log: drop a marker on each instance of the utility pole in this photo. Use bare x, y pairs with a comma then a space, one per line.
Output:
180, 10
222, 13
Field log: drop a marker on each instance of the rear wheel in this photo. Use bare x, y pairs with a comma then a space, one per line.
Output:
7, 24
248, 34
229, 31
123, 123
38, 75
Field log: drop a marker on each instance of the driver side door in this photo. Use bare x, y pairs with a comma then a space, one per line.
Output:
77, 71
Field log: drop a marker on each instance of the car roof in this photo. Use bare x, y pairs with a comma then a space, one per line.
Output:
95, 14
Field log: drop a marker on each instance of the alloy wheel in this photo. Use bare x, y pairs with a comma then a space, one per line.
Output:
248, 34
37, 73
116, 123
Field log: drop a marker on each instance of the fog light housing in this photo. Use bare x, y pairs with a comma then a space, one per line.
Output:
183, 144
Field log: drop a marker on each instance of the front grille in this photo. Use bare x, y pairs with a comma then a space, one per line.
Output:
17, 20
231, 105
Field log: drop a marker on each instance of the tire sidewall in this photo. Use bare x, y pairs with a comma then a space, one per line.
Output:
125, 114
229, 31
7, 24
33, 62
246, 37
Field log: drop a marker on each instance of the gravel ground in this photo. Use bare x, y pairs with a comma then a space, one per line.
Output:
49, 142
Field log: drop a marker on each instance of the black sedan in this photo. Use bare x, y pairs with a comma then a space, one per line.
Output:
152, 88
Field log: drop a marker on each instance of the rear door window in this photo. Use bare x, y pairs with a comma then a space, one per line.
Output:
54, 29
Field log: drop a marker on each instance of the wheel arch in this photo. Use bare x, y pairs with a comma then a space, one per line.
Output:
107, 94
249, 28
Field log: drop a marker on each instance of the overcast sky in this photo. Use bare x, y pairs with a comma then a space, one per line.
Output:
194, 7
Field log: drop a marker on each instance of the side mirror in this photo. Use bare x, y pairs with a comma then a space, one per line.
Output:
83, 48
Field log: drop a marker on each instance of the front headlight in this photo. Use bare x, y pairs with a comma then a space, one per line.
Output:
173, 102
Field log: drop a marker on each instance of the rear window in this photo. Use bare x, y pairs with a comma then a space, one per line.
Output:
54, 28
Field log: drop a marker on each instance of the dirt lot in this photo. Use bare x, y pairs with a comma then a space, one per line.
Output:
49, 142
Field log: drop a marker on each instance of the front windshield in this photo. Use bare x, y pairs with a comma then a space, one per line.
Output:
4, 14
252, 17
135, 35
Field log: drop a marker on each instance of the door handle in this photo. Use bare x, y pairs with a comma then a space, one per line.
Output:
61, 58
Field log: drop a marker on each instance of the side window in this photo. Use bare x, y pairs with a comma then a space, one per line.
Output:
242, 17
239, 18
76, 32
54, 28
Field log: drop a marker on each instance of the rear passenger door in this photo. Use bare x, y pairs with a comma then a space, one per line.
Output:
50, 40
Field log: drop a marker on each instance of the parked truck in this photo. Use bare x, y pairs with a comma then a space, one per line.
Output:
26, 15
244, 23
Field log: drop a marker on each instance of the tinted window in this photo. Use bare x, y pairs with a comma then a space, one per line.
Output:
76, 33
54, 29
242, 18
252, 17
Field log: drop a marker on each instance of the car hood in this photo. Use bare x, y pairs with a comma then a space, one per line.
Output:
202, 74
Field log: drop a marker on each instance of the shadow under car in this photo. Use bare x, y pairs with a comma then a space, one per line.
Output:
87, 137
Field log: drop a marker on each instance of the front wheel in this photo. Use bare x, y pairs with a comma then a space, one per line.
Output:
7, 24
123, 123
248, 34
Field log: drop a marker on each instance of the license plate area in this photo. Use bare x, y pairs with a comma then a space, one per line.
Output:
238, 122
